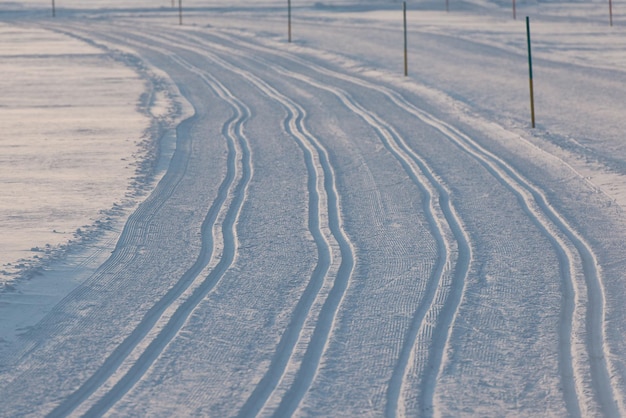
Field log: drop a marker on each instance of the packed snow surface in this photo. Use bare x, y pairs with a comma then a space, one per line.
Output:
201, 218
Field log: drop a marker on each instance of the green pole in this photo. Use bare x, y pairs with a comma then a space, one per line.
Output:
406, 64
530, 74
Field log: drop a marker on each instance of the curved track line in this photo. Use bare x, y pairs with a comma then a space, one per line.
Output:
555, 224
232, 130
422, 175
573, 388
293, 125
537, 205
450, 291
139, 222
327, 314
309, 365
601, 369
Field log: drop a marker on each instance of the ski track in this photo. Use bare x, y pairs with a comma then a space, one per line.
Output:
326, 315
238, 155
445, 226
584, 355
444, 223
293, 124
324, 221
233, 130
583, 326
309, 364
437, 302
317, 299
138, 225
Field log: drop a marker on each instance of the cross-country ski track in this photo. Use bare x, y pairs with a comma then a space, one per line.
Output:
324, 243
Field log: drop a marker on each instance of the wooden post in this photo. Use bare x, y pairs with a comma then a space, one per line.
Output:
514, 13
289, 20
180, 12
530, 74
53, 9
610, 12
406, 64
447, 5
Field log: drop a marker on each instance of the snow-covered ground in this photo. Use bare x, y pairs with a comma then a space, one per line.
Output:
326, 237
71, 129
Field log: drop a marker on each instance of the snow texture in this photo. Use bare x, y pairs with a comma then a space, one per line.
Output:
203, 219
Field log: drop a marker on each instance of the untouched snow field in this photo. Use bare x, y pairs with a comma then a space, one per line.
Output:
70, 135
319, 235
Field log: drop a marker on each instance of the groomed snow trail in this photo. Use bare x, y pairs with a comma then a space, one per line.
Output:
222, 217
324, 243
572, 363
419, 172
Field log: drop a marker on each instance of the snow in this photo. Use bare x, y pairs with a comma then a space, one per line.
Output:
71, 135
275, 229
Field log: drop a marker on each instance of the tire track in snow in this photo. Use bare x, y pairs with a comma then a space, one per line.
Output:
583, 314
232, 190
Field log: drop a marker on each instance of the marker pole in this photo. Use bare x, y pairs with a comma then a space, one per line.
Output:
406, 64
530, 74
289, 20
